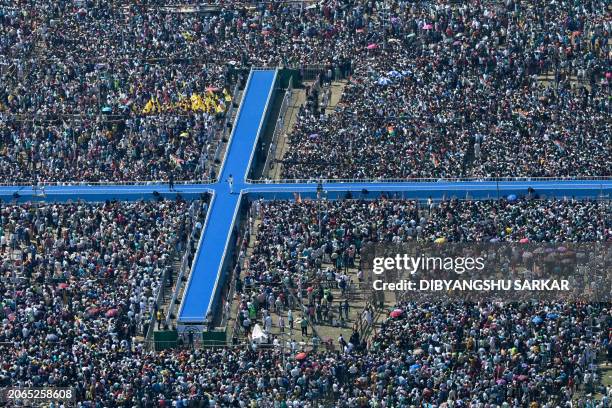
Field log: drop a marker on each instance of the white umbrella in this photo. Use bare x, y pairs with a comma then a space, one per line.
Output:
258, 335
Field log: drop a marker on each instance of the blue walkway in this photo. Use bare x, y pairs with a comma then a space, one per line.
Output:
199, 296
416, 190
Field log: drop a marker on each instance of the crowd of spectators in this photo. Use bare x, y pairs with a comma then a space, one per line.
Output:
436, 89
134, 120
140, 148
78, 280
493, 354
133, 91
438, 354
476, 89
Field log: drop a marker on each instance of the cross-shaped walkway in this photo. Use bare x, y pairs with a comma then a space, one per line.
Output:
207, 275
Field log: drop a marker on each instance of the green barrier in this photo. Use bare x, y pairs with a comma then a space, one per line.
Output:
214, 338
165, 339
285, 75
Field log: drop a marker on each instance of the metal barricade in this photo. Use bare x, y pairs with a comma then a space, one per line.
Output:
278, 127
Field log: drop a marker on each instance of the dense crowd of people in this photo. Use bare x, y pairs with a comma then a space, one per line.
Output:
78, 280
140, 148
135, 121
435, 90
493, 354
476, 89
99, 91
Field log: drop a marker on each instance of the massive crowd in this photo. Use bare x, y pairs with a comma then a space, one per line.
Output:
494, 354
140, 148
437, 354
435, 90
132, 91
133, 120
476, 89
78, 280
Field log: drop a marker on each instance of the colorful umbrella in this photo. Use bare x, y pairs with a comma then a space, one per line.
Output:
301, 356
92, 311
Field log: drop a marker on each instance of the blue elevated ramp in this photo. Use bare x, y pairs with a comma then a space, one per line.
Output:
200, 294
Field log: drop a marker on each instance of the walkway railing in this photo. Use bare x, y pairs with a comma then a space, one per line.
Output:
158, 301
227, 124
103, 183
187, 266
194, 213
423, 180
278, 127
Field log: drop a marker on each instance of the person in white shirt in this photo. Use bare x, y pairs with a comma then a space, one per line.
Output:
230, 182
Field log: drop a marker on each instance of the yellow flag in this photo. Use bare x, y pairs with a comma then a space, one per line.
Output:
226, 94
149, 106
196, 100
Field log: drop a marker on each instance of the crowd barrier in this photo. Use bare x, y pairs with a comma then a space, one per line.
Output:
185, 262
423, 180
227, 124
103, 183
278, 127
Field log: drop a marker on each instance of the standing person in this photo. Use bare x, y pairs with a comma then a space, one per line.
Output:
342, 342
346, 308
230, 182
171, 181
290, 319
304, 326
268, 323
281, 323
